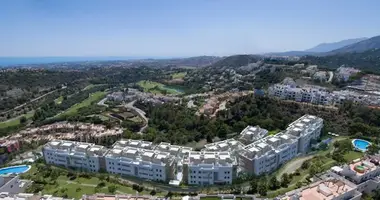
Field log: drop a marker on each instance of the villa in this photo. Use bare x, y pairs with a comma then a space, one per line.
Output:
333, 187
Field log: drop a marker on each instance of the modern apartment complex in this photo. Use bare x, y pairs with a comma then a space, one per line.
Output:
252, 133
142, 163
208, 168
268, 153
315, 95
217, 163
78, 155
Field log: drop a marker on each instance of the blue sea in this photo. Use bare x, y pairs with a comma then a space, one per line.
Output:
14, 61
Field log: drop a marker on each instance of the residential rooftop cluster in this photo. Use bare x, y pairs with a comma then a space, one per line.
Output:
217, 163
342, 182
321, 96
132, 94
29, 196
68, 131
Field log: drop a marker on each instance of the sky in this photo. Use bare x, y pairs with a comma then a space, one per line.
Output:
178, 28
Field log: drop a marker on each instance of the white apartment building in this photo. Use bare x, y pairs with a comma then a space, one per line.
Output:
174, 150
267, 154
142, 163
78, 155
208, 168
252, 133
133, 143
215, 164
229, 145
315, 95
305, 128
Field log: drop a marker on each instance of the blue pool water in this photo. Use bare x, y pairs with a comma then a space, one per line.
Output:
15, 169
361, 145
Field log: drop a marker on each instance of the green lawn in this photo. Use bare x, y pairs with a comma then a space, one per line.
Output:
77, 187
94, 97
179, 75
150, 86
16, 120
210, 198
58, 100
352, 155
273, 132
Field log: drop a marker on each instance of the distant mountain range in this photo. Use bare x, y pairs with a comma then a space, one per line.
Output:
335, 47
326, 47
361, 46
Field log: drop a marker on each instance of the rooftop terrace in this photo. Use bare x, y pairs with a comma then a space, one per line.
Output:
132, 155
225, 145
322, 190
76, 148
133, 143
210, 158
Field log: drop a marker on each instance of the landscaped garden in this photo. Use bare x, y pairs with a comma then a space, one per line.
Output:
72, 184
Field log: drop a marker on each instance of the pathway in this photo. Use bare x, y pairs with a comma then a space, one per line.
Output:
140, 112
31, 101
330, 77
293, 165
101, 102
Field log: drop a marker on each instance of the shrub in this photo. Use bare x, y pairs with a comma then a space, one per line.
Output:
153, 192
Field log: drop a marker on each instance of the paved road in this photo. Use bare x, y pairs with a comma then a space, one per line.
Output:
331, 76
293, 165
31, 101
141, 113
101, 102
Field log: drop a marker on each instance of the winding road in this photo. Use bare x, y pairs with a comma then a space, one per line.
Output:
140, 112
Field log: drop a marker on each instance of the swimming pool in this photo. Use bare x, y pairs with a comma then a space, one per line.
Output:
360, 145
19, 169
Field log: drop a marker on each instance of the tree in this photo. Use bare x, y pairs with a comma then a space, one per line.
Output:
153, 192
262, 188
112, 189
305, 164
373, 149
299, 184
323, 146
285, 180
253, 187
23, 120
338, 157
274, 183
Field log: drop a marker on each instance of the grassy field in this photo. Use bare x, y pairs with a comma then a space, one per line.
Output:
94, 97
58, 100
352, 155
150, 86
179, 75
75, 188
16, 121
